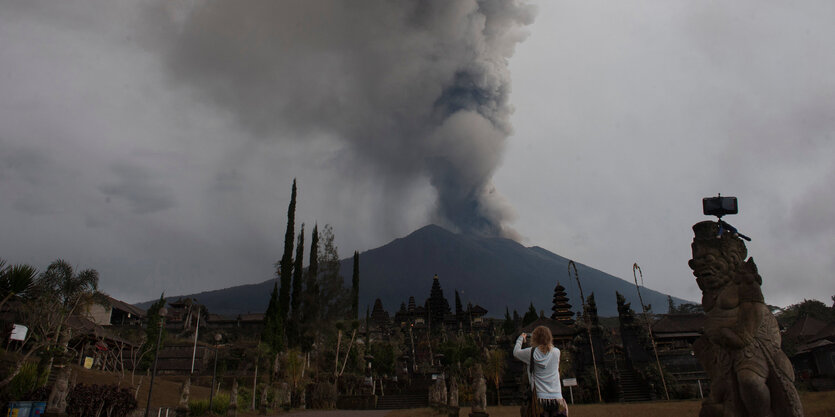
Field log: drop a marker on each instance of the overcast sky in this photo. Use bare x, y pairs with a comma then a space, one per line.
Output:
156, 141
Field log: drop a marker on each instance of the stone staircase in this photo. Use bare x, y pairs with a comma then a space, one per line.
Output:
510, 390
402, 401
631, 388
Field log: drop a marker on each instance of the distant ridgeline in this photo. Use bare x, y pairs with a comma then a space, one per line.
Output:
493, 273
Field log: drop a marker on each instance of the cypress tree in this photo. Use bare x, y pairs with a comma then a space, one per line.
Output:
509, 325
310, 306
296, 299
591, 310
285, 266
458, 308
355, 287
530, 316
273, 334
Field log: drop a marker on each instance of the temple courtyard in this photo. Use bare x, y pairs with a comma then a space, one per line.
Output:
815, 404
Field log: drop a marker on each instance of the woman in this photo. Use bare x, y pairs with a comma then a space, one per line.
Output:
546, 369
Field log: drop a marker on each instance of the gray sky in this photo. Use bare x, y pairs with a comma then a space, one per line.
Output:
157, 141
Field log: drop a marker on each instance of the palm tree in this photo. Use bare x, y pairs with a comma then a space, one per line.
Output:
64, 290
55, 296
494, 369
70, 289
15, 281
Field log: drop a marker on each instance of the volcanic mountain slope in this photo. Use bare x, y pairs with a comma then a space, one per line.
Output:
492, 272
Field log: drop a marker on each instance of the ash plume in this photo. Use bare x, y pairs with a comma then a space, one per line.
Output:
414, 88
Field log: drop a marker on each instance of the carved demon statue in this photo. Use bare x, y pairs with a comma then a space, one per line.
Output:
740, 348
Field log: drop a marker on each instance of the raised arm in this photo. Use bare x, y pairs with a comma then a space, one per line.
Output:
523, 355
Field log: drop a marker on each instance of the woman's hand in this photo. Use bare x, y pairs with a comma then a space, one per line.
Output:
563, 406
524, 336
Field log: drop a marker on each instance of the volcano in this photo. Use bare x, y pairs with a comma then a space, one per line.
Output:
495, 273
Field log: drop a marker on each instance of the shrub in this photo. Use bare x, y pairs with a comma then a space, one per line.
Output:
25, 381
99, 400
220, 404
198, 407
324, 395
244, 397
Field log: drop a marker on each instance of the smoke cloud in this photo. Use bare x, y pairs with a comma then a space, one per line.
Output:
414, 88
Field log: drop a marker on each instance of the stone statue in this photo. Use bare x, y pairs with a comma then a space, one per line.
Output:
437, 393
453, 393
442, 390
264, 397
233, 398
276, 396
57, 402
182, 405
479, 393
286, 395
740, 348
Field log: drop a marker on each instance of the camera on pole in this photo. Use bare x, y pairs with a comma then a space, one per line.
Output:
720, 206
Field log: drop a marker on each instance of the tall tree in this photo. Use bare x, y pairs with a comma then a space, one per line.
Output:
273, 335
334, 298
591, 310
63, 290
310, 295
296, 299
51, 299
494, 369
285, 266
355, 287
458, 307
530, 316
298, 278
509, 326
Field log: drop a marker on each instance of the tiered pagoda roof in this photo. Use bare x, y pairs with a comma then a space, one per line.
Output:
562, 309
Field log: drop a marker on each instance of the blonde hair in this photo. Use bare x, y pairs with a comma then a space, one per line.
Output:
542, 338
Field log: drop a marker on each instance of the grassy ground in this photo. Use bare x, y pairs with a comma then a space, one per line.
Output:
816, 404
166, 391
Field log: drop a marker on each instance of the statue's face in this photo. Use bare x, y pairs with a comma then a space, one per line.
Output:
709, 266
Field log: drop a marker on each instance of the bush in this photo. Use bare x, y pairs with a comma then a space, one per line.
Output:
324, 396
244, 397
98, 400
24, 382
198, 407
220, 404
